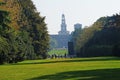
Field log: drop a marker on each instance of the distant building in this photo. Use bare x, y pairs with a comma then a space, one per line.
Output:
62, 40
63, 35
77, 26
63, 27
71, 51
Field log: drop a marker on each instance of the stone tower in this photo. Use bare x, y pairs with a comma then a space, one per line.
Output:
63, 35
63, 27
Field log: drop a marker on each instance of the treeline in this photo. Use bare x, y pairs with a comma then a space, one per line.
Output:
23, 32
100, 39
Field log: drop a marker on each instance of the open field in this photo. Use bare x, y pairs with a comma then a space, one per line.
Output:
98, 68
58, 52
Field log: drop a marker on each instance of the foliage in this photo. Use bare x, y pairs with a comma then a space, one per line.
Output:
4, 28
36, 28
23, 32
13, 7
100, 39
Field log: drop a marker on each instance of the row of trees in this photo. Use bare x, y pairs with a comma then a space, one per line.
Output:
100, 39
23, 32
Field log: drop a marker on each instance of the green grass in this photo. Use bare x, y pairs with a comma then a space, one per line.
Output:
58, 52
98, 68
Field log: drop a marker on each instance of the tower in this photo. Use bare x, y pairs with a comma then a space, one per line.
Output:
77, 26
63, 27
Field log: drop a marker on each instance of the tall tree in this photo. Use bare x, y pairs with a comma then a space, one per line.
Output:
4, 28
22, 31
100, 39
36, 27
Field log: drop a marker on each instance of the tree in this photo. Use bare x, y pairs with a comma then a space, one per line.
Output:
23, 32
36, 28
13, 7
100, 39
4, 19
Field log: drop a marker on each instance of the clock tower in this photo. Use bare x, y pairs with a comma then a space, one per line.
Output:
63, 27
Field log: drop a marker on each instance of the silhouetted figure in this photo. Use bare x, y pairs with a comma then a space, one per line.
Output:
65, 56
116, 50
52, 56
55, 56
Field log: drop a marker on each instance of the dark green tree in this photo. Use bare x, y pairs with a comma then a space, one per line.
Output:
100, 39
4, 28
34, 24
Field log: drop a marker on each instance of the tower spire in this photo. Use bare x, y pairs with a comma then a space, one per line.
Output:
63, 26
63, 19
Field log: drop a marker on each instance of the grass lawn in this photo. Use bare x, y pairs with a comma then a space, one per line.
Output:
98, 68
58, 52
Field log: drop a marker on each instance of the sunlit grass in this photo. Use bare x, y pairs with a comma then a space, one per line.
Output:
58, 52
101, 68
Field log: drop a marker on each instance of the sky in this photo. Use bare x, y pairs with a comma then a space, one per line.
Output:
85, 12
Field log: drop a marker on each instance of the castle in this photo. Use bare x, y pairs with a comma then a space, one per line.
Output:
63, 27
63, 35
61, 40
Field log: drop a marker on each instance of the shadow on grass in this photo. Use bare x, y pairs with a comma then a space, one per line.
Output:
100, 74
73, 60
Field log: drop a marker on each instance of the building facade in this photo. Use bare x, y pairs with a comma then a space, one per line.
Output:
63, 35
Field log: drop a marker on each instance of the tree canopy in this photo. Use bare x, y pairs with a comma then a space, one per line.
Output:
100, 39
23, 32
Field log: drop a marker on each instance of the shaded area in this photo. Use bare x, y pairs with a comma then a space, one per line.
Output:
100, 74
73, 60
